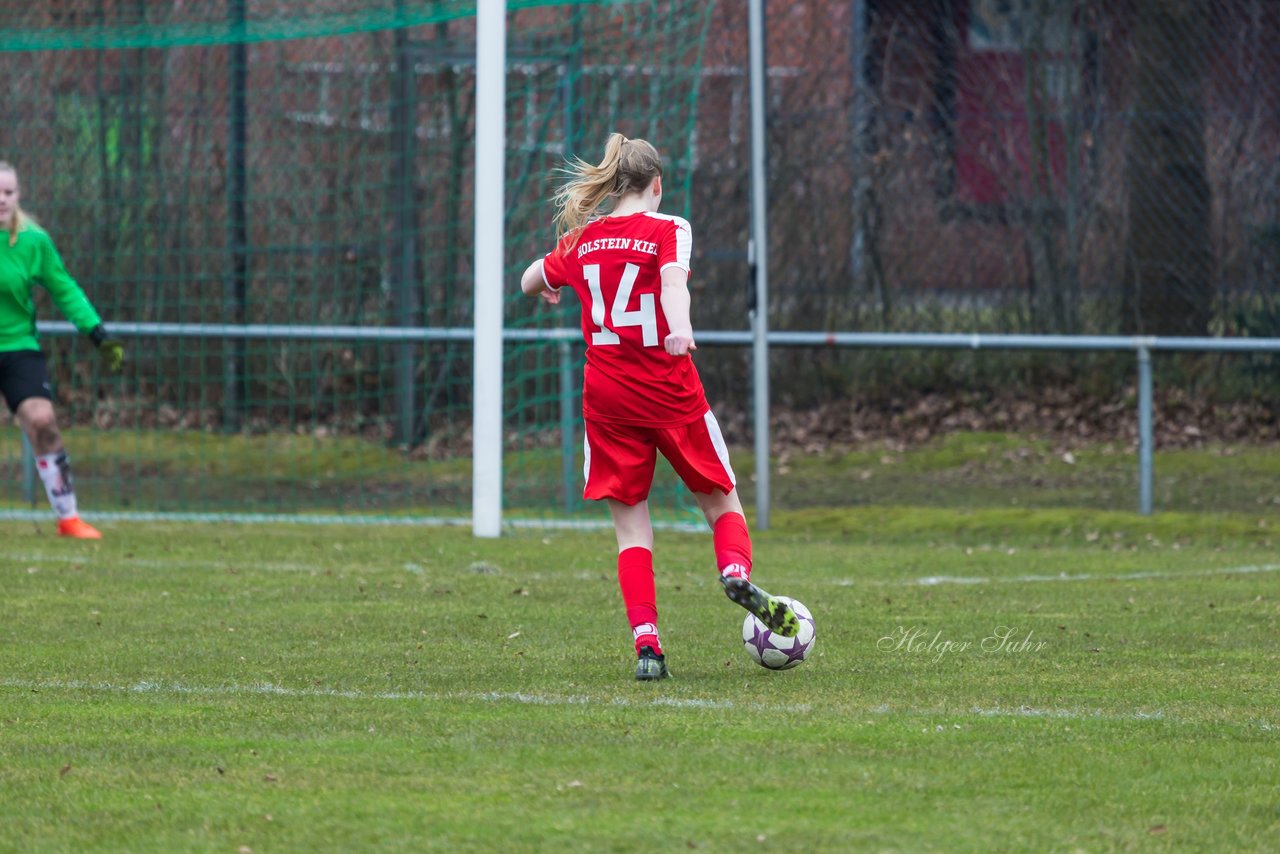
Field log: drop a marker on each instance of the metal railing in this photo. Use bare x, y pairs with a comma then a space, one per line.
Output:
1142, 346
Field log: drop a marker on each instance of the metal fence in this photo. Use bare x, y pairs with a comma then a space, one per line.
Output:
933, 168
1024, 167
568, 339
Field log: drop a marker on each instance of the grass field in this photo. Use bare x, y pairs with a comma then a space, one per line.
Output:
284, 688
123, 470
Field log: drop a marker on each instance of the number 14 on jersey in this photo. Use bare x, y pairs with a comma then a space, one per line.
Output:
646, 316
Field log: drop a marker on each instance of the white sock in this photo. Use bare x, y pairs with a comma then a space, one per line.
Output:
55, 471
644, 629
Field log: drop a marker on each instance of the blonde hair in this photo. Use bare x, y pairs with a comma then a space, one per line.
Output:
21, 219
629, 166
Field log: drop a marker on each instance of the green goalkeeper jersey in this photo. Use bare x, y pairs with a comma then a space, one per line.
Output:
32, 261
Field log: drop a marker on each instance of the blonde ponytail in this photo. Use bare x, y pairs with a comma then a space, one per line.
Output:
629, 166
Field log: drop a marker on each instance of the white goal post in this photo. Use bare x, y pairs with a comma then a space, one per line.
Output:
491, 95
491, 67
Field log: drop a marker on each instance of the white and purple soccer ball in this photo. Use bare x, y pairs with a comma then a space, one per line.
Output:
774, 651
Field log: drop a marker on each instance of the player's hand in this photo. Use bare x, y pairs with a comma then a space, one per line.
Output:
111, 352
551, 297
678, 344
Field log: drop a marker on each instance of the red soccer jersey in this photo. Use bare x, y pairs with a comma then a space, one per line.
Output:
615, 267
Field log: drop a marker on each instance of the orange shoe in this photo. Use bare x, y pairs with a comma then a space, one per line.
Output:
78, 528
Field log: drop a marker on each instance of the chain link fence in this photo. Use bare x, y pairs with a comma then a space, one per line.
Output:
310, 163
1017, 166
995, 166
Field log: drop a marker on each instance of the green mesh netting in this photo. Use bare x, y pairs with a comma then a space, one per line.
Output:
310, 164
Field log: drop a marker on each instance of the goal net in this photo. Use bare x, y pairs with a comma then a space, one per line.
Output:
261, 194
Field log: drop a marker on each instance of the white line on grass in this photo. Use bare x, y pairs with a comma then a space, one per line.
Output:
249, 518
1029, 712
1033, 712
524, 698
1124, 576
935, 580
175, 563
924, 581
269, 689
352, 520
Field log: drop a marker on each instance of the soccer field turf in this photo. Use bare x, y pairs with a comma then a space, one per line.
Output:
292, 687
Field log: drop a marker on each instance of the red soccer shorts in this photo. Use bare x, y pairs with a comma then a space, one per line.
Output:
619, 458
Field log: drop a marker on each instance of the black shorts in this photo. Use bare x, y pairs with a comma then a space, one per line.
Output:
22, 375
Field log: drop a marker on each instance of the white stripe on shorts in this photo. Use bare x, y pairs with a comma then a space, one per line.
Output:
586, 459
717, 441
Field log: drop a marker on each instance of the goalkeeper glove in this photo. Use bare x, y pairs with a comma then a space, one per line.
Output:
110, 349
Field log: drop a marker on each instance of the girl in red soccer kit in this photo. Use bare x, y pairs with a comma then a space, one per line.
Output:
641, 393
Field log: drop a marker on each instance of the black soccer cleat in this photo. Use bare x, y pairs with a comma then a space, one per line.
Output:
770, 610
651, 667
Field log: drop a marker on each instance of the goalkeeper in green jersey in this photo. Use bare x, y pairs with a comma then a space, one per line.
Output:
28, 258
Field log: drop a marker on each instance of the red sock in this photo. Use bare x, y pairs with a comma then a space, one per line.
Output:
733, 545
635, 577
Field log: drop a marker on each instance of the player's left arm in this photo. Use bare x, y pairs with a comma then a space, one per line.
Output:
533, 282
674, 251
675, 306
70, 299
